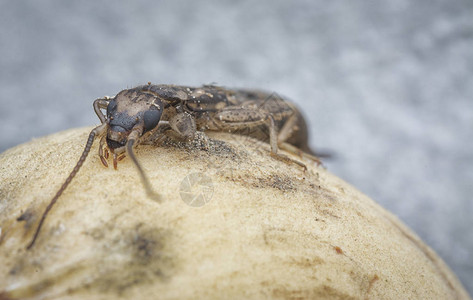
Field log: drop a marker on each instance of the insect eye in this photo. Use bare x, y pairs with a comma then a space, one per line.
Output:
151, 119
112, 106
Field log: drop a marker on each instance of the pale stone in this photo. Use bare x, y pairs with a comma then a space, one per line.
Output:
263, 228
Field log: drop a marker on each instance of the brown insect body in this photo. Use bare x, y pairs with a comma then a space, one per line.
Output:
183, 111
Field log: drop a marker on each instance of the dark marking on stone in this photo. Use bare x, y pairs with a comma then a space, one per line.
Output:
26, 216
143, 257
4, 296
29, 217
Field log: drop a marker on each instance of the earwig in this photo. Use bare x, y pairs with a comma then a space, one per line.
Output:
185, 110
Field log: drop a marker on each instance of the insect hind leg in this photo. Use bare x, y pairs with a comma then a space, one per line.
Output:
291, 128
235, 118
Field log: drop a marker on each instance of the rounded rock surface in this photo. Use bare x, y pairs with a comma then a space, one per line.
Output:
233, 222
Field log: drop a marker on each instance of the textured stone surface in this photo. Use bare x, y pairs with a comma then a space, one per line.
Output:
268, 229
386, 85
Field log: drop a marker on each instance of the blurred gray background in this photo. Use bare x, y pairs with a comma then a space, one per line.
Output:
386, 85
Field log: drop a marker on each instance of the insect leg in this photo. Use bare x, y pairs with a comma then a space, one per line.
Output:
290, 128
234, 118
157, 135
294, 150
183, 128
100, 104
184, 125
96, 131
240, 118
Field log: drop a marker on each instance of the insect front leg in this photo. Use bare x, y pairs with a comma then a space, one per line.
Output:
100, 104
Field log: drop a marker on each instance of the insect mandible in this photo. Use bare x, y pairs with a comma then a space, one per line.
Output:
135, 113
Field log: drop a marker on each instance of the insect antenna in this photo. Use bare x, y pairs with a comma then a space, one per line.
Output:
88, 145
149, 190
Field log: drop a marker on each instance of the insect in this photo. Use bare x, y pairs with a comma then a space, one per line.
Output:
134, 114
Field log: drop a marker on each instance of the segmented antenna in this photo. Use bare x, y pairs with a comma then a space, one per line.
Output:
76, 169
